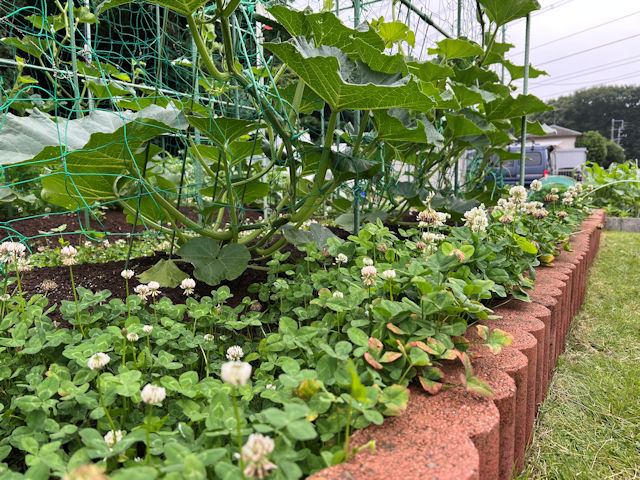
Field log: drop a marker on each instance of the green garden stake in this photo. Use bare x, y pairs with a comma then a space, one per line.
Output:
525, 87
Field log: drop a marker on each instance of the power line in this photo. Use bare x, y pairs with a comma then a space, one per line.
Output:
610, 79
578, 33
571, 90
597, 68
589, 49
544, 10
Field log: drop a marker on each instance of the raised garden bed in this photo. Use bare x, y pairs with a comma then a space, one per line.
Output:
460, 435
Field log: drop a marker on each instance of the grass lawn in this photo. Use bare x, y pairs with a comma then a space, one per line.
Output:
589, 425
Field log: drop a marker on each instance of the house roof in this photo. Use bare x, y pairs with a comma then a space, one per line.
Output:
560, 132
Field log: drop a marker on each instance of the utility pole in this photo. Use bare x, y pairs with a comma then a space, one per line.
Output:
616, 138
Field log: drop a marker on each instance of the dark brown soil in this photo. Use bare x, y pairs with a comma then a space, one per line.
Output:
112, 225
100, 276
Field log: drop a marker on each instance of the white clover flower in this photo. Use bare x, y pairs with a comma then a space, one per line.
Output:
341, 258
23, 264
147, 328
554, 191
338, 295
518, 194
153, 288
254, 454
432, 238
152, 394
506, 204
369, 273
112, 438
535, 186
476, 218
506, 219
540, 213
106, 244
68, 254
431, 218
187, 285
132, 337
567, 198
98, 360
586, 210
579, 188
235, 373
562, 214
142, 290
270, 386
127, 274
12, 251
458, 253
389, 274
367, 261
208, 337
5, 297
235, 353
530, 207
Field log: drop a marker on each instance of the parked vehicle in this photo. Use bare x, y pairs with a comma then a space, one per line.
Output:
542, 160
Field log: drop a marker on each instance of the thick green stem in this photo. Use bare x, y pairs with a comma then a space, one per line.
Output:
363, 125
489, 46
204, 52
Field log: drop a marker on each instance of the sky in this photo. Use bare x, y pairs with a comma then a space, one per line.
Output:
579, 43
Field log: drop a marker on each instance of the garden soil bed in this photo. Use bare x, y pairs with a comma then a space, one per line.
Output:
452, 435
112, 224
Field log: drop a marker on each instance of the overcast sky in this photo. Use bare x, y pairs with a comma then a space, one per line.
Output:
600, 39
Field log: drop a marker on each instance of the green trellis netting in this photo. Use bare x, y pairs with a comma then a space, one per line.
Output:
89, 106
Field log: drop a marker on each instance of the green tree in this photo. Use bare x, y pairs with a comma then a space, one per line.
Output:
594, 108
615, 154
596, 145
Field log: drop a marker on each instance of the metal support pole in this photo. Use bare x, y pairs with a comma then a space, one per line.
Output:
74, 59
87, 54
260, 10
504, 34
525, 87
456, 186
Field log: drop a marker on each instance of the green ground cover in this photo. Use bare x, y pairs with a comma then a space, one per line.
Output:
589, 425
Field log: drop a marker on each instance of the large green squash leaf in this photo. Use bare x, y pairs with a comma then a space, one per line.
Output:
456, 48
165, 272
430, 71
516, 107
212, 263
33, 46
186, 7
345, 84
42, 138
326, 29
316, 234
505, 11
223, 130
398, 126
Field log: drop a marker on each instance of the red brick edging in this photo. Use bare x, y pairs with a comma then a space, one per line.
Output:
456, 435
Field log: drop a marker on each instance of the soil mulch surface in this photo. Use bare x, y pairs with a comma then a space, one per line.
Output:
101, 276
113, 225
